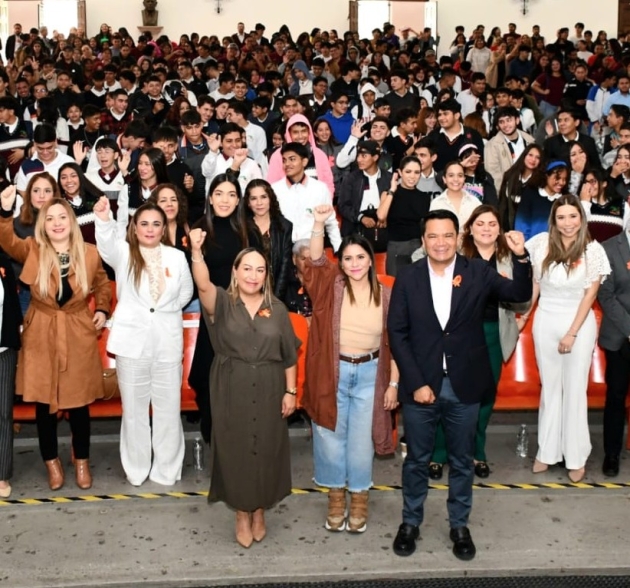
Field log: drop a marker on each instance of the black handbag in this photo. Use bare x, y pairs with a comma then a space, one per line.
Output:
378, 237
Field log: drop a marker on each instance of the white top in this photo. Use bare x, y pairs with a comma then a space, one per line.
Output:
441, 292
22, 179
214, 164
371, 195
2, 349
257, 145
468, 102
557, 283
468, 204
297, 202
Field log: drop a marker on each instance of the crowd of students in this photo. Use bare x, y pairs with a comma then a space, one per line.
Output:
222, 158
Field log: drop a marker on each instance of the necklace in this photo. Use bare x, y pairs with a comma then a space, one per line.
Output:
64, 263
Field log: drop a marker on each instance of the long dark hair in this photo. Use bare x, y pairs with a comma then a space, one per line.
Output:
511, 183
375, 288
207, 221
158, 163
87, 190
247, 216
182, 202
468, 247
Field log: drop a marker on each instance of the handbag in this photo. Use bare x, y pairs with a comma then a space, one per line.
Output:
377, 237
110, 384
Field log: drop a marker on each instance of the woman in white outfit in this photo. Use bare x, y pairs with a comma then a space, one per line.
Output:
153, 284
568, 270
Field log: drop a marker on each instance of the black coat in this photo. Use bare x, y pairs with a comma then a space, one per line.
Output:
419, 343
556, 148
11, 313
281, 256
351, 195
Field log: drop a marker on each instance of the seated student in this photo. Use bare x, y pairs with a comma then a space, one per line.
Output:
402, 137
256, 139
115, 120
95, 96
526, 115
109, 176
82, 141
360, 193
74, 120
623, 139
319, 101
152, 107
299, 131
507, 145
298, 194
205, 108
131, 140
378, 130
568, 130
231, 159
64, 95
452, 134
339, 117
262, 116
47, 157
179, 172
15, 134
428, 183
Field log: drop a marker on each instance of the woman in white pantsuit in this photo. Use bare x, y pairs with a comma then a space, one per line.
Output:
568, 269
153, 284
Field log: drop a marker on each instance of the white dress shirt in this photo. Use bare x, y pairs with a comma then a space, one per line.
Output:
441, 292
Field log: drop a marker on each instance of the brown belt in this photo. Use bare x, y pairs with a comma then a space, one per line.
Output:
361, 358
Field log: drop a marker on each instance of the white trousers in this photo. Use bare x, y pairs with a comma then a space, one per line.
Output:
145, 382
563, 414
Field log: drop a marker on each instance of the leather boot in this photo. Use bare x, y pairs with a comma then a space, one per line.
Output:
357, 521
55, 473
82, 473
336, 519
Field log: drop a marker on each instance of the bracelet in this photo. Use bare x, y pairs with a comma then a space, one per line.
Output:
196, 260
317, 233
393, 385
291, 391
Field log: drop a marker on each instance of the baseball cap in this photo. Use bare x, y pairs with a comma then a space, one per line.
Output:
369, 147
429, 52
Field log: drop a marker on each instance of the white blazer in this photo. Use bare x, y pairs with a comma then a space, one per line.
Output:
137, 318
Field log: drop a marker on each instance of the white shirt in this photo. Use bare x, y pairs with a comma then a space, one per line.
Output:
217, 95
468, 204
371, 195
468, 102
22, 179
441, 292
297, 202
257, 144
214, 164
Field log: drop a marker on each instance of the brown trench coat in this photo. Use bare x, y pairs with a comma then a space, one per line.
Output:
324, 283
59, 363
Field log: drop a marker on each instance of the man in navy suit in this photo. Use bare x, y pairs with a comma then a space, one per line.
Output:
436, 335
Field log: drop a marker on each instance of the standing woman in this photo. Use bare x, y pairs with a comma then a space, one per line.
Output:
10, 320
550, 87
523, 174
153, 284
351, 380
260, 210
175, 206
401, 209
226, 237
253, 377
482, 238
59, 365
568, 270
151, 172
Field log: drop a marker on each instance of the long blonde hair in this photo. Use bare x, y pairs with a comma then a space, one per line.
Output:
48, 258
267, 290
556, 251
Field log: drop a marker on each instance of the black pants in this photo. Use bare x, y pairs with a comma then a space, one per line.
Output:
8, 364
47, 431
617, 381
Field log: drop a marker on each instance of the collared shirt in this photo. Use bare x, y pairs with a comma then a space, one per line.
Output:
441, 292
466, 207
34, 165
451, 138
371, 195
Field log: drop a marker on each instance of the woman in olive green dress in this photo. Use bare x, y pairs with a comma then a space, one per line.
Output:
253, 383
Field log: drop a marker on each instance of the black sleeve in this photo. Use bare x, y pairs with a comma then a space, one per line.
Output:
286, 261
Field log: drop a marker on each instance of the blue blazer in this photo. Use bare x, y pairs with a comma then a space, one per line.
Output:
418, 342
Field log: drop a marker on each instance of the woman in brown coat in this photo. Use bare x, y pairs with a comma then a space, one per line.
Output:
59, 367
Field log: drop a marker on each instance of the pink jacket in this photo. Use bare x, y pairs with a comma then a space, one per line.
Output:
322, 164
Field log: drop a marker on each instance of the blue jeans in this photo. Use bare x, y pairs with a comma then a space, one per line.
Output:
420, 421
344, 457
546, 108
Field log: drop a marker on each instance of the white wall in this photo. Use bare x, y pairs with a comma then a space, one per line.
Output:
186, 16
549, 14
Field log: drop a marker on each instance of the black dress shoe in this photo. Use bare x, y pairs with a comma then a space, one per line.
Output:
610, 468
405, 542
482, 470
436, 471
463, 546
